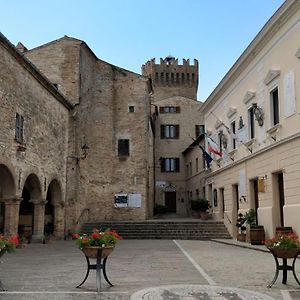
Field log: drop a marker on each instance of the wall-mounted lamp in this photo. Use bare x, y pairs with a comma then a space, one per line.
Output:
258, 113
84, 152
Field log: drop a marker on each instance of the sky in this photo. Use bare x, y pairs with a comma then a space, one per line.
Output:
127, 33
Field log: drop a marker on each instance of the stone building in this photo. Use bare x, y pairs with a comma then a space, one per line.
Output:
33, 147
84, 155
82, 139
177, 123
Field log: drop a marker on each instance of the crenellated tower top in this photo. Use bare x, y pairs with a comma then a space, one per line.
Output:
169, 78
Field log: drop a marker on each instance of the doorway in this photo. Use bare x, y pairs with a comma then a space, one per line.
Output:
254, 197
170, 202
278, 196
235, 207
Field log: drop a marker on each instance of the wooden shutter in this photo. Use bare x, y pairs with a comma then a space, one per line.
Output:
161, 109
162, 164
176, 131
162, 131
177, 164
178, 109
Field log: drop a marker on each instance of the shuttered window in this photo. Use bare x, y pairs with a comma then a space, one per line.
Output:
123, 147
19, 130
169, 164
169, 109
169, 131
199, 129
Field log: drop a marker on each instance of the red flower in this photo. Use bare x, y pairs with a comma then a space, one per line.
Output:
96, 235
75, 236
15, 240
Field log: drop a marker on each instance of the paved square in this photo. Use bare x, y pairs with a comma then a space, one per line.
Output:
213, 270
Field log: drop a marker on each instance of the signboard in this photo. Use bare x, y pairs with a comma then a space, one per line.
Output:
134, 200
121, 200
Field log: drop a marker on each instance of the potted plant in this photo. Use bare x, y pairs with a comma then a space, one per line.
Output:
201, 206
284, 246
257, 232
89, 244
8, 244
241, 228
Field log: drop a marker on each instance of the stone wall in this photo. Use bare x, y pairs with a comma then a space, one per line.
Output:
43, 152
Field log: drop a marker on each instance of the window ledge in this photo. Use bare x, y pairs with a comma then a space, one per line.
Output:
250, 142
232, 152
274, 129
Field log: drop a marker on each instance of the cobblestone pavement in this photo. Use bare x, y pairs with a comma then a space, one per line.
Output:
146, 269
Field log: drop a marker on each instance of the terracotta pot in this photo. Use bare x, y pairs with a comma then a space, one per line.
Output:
241, 237
285, 253
91, 251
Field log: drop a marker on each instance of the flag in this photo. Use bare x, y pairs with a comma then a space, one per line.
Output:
206, 156
211, 149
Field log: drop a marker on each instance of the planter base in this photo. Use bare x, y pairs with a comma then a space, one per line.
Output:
284, 254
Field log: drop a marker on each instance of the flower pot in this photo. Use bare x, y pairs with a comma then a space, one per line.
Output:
241, 237
285, 253
204, 215
91, 251
257, 235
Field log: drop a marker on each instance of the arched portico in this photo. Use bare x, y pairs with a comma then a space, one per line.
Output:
54, 213
32, 207
9, 204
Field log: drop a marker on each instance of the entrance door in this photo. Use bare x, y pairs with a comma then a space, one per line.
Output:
254, 197
281, 197
170, 202
2, 214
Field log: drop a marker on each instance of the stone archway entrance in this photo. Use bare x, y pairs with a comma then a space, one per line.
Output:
54, 215
8, 203
31, 212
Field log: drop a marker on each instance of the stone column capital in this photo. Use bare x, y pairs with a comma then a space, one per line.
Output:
36, 202
12, 201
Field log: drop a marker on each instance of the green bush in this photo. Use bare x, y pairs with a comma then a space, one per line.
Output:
200, 205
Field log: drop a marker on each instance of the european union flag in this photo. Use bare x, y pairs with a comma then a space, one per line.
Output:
206, 157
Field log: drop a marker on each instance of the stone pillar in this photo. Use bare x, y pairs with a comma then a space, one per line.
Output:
59, 220
38, 221
11, 218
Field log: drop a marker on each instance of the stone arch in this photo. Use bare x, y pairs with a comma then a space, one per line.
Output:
54, 212
7, 193
31, 210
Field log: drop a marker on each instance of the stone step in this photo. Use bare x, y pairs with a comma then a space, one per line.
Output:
153, 229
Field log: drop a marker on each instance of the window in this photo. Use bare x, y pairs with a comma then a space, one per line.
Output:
169, 109
187, 170
197, 165
19, 133
251, 123
233, 140
123, 147
197, 194
274, 107
131, 108
199, 129
169, 131
191, 170
220, 140
170, 164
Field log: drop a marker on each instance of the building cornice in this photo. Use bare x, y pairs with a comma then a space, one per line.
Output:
277, 21
251, 156
32, 69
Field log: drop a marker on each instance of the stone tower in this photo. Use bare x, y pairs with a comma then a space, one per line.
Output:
172, 79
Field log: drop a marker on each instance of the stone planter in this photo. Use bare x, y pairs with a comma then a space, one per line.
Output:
91, 251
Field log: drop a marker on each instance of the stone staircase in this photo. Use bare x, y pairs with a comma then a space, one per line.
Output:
163, 229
